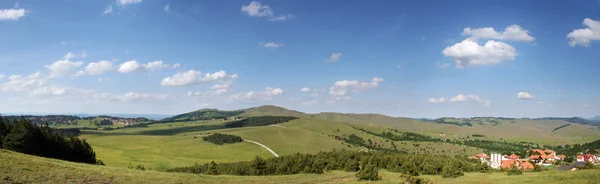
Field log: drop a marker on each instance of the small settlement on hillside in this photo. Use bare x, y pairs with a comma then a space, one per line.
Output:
536, 156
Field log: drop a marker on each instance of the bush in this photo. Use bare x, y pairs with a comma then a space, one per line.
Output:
451, 170
368, 172
514, 170
588, 165
539, 168
408, 179
99, 162
220, 139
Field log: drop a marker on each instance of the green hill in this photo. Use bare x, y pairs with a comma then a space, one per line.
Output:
202, 114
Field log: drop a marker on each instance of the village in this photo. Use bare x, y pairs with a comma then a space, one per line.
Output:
546, 158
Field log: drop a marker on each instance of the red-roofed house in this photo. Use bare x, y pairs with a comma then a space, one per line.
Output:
580, 158
481, 156
507, 164
513, 157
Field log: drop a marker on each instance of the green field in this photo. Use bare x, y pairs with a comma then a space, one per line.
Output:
21, 168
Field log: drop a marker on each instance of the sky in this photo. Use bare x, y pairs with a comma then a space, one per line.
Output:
420, 59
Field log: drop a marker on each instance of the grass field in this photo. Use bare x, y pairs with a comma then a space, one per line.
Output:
21, 168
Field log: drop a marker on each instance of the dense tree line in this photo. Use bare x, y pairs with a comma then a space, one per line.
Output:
557, 128
477, 135
573, 120
221, 139
571, 151
508, 148
411, 164
67, 132
259, 121
26, 137
203, 114
359, 141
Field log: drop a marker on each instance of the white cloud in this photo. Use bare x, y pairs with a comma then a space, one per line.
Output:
96, 68
305, 89
126, 2
335, 57
314, 95
440, 100
255, 9
461, 98
176, 65
469, 52
268, 94
129, 66
512, 33
442, 65
585, 105
133, 65
341, 88
18, 83
193, 77
155, 65
270, 45
62, 67
12, 14
108, 10
311, 102
69, 55
133, 96
539, 102
167, 7
585, 36
524, 96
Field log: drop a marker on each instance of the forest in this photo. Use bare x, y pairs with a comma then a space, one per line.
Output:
26, 137
220, 139
411, 164
259, 121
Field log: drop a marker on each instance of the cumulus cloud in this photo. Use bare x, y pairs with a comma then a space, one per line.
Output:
12, 14
440, 100
305, 89
469, 52
126, 2
176, 65
585, 36
270, 45
133, 65
62, 67
342, 88
108, 10
268, 94
524, 95
461, 98
335, 57
18, 83
129, 66
96, 68
193, 77
511, 33
255, 9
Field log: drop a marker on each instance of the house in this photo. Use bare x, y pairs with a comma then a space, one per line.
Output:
544, 155
482, 157
580, 158
513, 157
561, 157
507, 164
572, 167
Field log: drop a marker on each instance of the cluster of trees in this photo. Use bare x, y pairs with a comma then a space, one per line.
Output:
504, 147
411, 164
101, 122
359, 141
557, 128
572, 150
573, 120
221, 139
26, 137
259, 121
203, 114
477, 135
68, 132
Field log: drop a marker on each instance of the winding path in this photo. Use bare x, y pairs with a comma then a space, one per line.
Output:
262, 145
257, 143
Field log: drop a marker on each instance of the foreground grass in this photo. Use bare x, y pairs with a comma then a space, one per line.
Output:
553, 176
21, 168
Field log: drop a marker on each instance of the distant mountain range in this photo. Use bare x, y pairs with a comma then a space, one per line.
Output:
595, 118
83, 115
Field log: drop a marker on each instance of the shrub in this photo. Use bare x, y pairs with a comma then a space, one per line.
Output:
99, 162
368, 172
220, 139
451, 170
514, 170
539, 168
408, 179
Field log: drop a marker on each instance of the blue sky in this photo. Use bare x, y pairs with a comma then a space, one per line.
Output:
399, 58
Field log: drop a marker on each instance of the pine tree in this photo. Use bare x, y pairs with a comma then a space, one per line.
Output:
259, 166
368, 172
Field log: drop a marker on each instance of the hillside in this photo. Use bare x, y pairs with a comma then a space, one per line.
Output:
203, 114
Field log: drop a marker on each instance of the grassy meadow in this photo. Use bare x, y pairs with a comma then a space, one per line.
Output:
20, 168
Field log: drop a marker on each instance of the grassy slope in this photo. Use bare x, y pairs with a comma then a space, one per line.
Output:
538, 131
162, 146
21, 168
